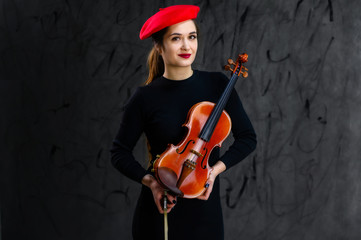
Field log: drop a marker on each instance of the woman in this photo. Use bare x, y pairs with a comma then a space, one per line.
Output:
159, 109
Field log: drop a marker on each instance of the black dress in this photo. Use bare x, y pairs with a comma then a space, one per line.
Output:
159, 110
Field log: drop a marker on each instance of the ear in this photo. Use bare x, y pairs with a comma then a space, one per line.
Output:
158, 48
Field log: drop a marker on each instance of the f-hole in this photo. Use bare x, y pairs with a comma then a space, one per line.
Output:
185, 147
205, 155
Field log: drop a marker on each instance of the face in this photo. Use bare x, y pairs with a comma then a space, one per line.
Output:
179, 45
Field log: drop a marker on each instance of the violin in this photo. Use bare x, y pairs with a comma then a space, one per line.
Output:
183, 169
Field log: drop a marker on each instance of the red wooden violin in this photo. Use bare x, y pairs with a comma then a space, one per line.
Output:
184, 169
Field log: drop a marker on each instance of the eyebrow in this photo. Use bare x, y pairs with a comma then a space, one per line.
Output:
178, 34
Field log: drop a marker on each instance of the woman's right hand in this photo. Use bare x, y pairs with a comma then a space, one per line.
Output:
158, 193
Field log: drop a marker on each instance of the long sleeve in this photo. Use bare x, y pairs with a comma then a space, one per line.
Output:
160, 109
131, 127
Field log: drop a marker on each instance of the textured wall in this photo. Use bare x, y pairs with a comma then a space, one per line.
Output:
67, 68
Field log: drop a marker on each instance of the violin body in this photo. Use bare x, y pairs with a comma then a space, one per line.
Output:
184, 168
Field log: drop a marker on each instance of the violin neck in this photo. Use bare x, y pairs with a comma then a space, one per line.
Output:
212, 121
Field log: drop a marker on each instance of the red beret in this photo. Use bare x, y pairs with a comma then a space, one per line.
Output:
167, 17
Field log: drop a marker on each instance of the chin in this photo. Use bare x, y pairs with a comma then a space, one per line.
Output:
186, 62
186, 65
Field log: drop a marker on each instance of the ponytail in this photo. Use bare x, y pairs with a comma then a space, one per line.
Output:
155, 60
155, 65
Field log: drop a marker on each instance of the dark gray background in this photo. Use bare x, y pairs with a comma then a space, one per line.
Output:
67, 68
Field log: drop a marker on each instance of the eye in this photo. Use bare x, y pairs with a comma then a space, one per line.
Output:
175, 38
192, 37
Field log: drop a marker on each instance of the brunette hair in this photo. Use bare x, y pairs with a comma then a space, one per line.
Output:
155, 61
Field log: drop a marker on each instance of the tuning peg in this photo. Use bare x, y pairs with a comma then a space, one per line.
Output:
245, 74
231, 62
228, 68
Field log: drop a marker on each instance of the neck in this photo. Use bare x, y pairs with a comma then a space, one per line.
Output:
178, 73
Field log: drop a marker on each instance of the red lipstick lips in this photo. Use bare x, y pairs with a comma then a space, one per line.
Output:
184, 55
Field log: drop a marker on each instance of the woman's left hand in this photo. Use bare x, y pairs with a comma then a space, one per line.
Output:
215, 171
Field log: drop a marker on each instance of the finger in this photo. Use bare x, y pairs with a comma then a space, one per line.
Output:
160, 203
172, 200
171, 203
207, 193
203, 196
171, 197
169, 208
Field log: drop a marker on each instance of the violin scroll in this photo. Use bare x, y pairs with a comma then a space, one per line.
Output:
238, 68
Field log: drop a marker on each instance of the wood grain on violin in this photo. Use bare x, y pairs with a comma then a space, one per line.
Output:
184, 168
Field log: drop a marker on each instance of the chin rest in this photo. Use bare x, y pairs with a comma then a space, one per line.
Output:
169, 179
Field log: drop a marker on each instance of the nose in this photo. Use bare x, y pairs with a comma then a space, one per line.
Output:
185, 45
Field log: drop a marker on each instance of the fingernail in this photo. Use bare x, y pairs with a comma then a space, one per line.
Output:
207, 185
174, 201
